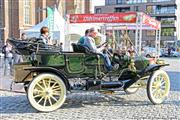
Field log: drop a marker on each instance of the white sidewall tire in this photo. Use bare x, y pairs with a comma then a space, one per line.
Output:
36, 105
150, 84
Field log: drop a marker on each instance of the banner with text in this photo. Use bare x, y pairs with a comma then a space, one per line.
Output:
151, 22
129, 17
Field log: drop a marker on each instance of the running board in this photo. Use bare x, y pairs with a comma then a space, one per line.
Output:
103, 85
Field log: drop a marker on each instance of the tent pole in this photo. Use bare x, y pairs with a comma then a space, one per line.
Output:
156, 42
159, 41
140, 34
137, 30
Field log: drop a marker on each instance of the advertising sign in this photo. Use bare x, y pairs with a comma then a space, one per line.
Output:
151, 22
129, 17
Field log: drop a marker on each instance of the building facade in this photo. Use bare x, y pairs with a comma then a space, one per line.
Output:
166, 11
18, 15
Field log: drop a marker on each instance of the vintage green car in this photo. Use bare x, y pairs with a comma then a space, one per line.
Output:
50, 74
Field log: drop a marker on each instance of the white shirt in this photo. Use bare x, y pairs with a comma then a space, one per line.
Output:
44, 38
90, 43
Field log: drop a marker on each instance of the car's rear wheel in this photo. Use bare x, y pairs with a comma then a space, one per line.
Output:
47, 92
158, 87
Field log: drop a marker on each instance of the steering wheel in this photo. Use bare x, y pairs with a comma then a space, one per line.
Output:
105, 43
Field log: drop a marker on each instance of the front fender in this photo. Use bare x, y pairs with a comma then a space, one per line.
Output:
153, 67
50, 70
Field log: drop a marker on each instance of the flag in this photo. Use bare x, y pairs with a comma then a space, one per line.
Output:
50, 14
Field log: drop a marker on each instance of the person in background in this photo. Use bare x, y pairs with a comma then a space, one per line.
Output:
8, 58
90, 43
81, 40
45, 35
17, 57
61, 47
23, 36
169, 51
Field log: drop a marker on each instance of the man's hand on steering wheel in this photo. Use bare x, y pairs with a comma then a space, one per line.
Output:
103, 45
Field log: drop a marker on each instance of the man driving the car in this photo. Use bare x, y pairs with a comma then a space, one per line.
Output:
90, 43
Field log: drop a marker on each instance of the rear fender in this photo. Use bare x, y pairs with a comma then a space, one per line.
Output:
50, 70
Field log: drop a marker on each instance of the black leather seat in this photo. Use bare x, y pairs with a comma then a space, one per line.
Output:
80, 48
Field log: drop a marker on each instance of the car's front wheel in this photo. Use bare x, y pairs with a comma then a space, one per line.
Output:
158, 87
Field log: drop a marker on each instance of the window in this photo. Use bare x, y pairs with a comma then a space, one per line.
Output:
98, 10
151, 9
150, 33
126, 9
108, 2
1, 4
159, 0
166, 9
135, 1
167, 31
119, 1
136, 8
27, 12
167, 21
160, 9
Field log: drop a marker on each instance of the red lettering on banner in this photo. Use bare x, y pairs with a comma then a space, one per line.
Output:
104, 18
151, 22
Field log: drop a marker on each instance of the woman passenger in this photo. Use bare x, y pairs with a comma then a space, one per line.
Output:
45, 35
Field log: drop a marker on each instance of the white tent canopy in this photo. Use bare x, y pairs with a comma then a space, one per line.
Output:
58, 29
81, 28
75, 31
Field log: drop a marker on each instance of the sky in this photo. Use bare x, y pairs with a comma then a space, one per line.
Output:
97, 3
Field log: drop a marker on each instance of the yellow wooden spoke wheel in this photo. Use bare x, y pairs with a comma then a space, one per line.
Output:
158, 87
47, 92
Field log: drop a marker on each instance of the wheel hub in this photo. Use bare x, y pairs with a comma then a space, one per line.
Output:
48, 92
158, 85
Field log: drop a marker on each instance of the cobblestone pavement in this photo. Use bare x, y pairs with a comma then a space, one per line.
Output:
15, 106
93, 105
